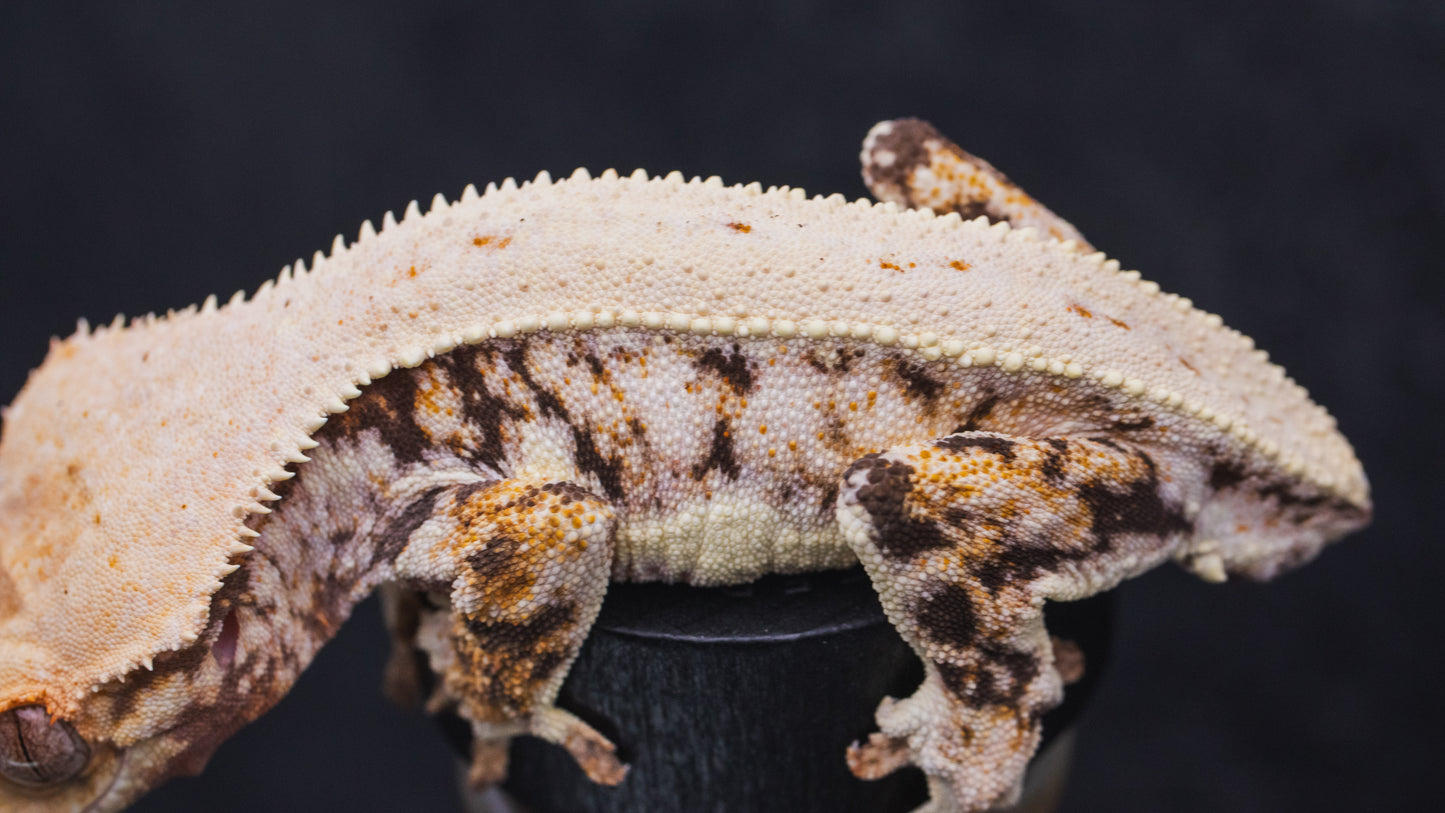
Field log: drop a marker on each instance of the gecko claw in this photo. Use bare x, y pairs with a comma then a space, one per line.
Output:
597, 756
594, 753
877, 758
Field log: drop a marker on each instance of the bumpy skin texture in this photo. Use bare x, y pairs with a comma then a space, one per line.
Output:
494, 409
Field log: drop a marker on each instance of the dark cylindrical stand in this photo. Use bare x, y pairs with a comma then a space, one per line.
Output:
745, 698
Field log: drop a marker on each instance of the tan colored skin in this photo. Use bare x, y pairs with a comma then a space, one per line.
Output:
555, 387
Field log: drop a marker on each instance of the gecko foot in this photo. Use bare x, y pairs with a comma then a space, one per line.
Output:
964, 539
595, 754
880, 756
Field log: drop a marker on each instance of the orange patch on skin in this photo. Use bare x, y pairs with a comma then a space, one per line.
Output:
959, 265
491, 240
740, 227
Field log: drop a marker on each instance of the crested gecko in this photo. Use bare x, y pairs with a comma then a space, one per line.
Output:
492, 410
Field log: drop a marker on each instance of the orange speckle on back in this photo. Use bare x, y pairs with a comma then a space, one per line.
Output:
890, 266
959, 265
740, 227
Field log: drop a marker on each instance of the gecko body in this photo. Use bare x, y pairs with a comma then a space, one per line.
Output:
492, 410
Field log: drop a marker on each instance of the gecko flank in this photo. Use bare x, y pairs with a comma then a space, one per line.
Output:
493, 410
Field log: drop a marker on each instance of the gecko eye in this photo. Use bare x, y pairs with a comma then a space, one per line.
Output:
37, 753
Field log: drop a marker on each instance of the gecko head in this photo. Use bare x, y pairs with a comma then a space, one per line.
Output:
119, 560
100, 754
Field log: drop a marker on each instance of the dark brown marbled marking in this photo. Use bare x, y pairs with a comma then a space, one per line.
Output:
594, 364
547, 401
388, 406
1003, 447
886, 487
919, 384
905, 141
733, 368
1054, 456
1226, 473
719, 455
503, 661
947, 617
1133, 424
392, 539
1137, 509
469, 368
1000, 678
608, 470
979, 413
1115, 509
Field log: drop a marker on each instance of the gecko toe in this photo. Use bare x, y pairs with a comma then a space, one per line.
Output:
879, 757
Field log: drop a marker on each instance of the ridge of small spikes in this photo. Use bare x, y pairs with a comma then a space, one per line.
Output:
1004, 231
1009, 360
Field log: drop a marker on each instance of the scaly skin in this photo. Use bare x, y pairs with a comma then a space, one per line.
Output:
495, 409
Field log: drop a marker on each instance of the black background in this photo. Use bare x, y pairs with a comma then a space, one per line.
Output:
1282, 164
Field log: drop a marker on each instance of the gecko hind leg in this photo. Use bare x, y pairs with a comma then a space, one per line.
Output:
525, 565
964, 539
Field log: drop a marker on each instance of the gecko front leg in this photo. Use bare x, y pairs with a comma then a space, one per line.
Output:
965, 539
524, 565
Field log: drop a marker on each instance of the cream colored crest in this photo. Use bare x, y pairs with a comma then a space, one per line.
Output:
135, 453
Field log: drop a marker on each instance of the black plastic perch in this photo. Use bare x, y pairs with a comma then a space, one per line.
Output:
745, 698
